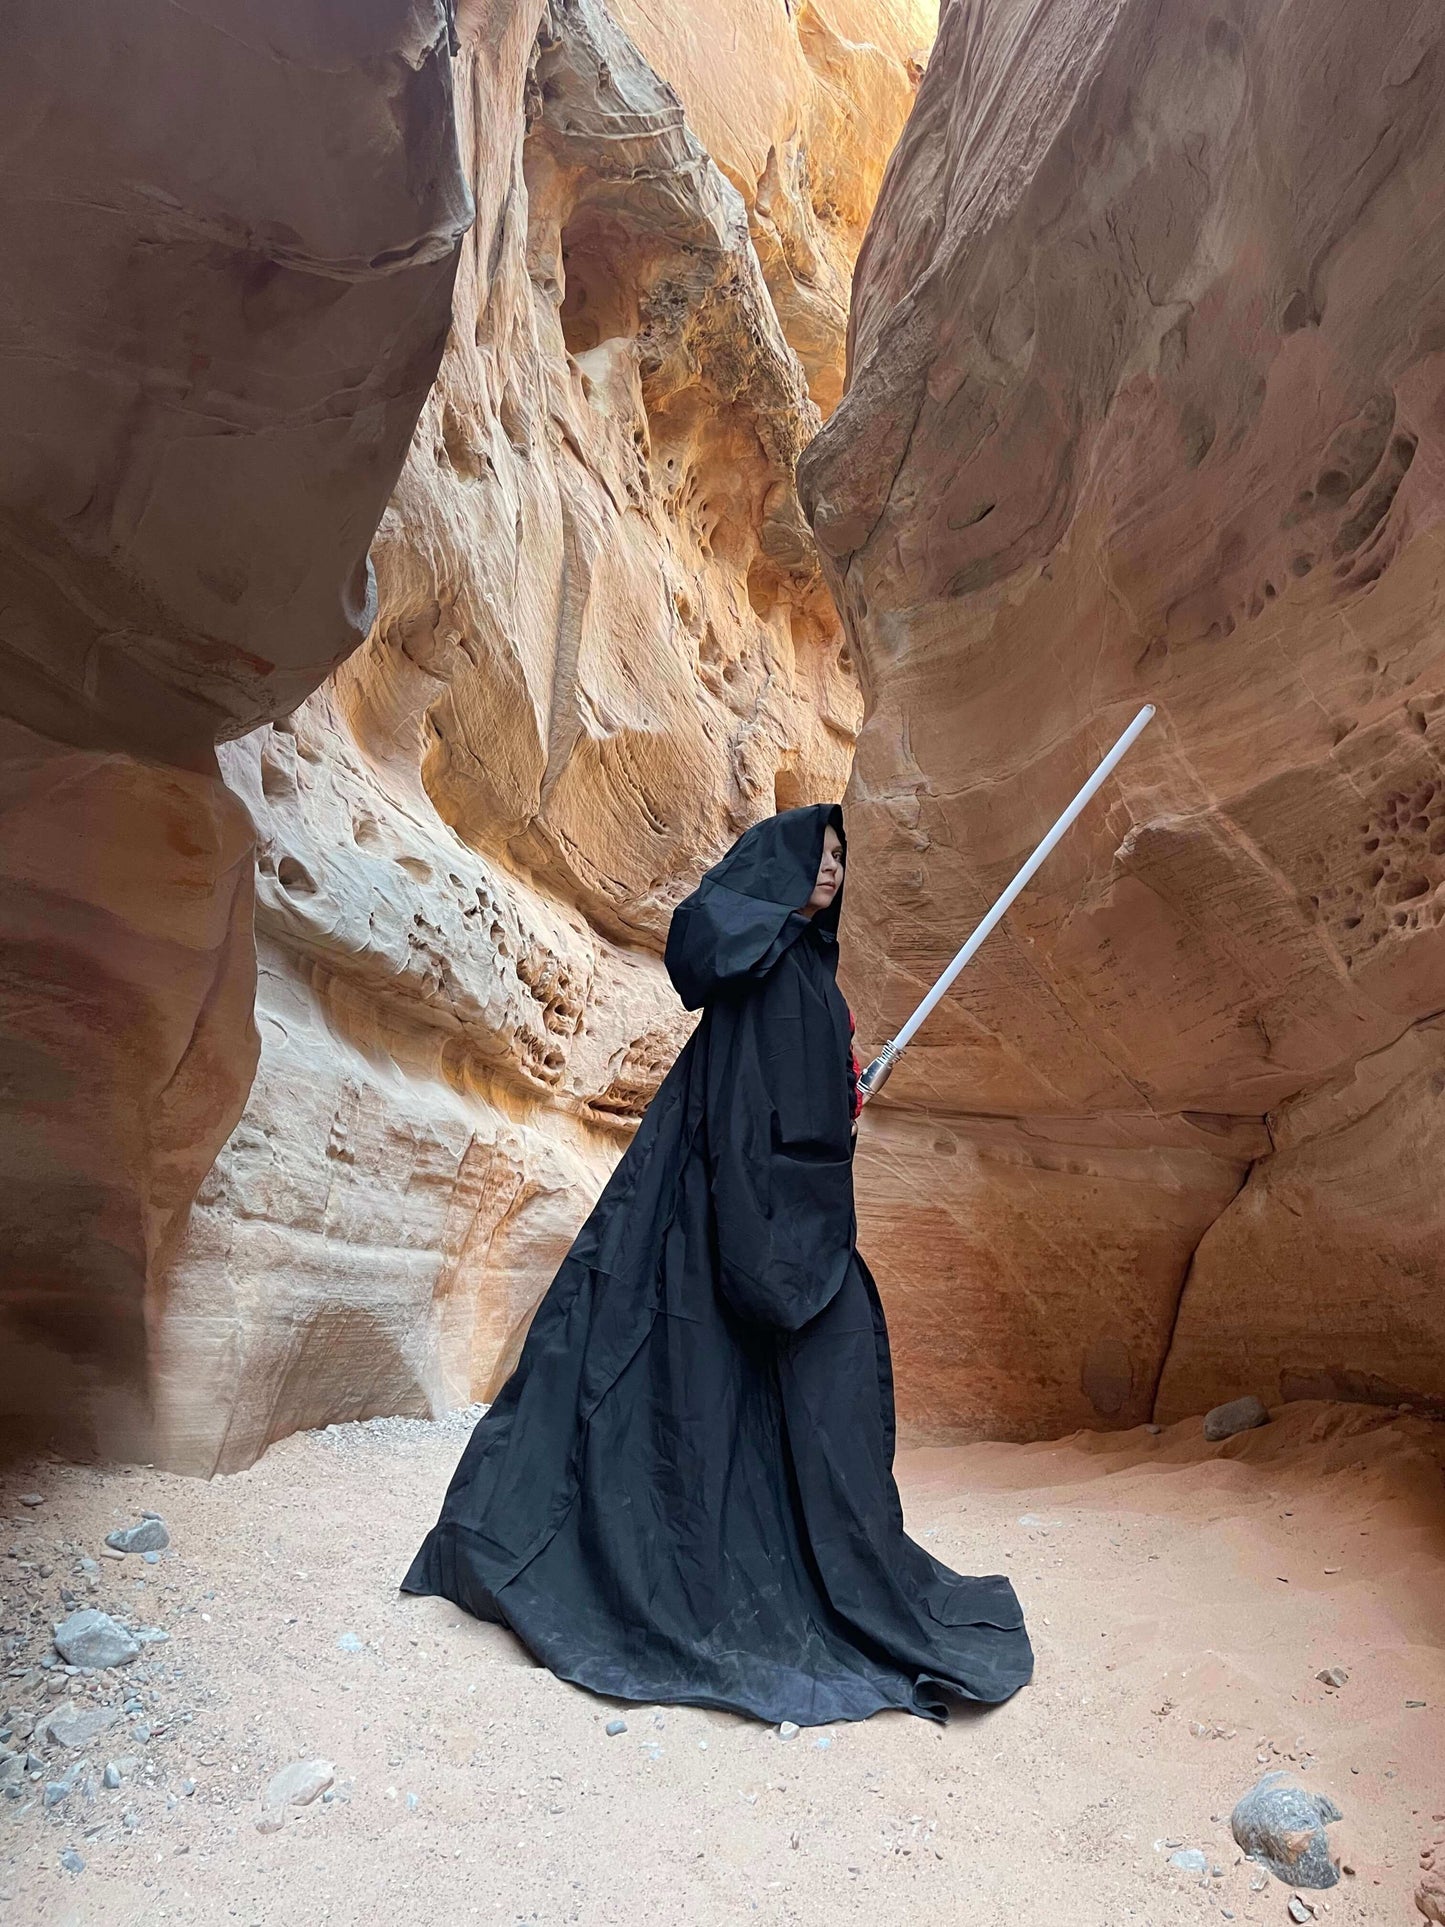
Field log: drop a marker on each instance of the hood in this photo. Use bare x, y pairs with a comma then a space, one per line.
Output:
744, 913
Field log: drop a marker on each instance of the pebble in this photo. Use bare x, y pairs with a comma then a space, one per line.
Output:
71, 1860
1298, 1910
788, 1730
111, 1776
1189, 1860
188, 1786
32, 1498
1283, 1827
1333, 1676
614, 1727
75, 1725
1237, 1415
92, 1638
296, 1785
149, 1536
349, 1643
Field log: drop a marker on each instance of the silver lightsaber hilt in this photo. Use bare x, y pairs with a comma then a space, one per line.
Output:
876, 1076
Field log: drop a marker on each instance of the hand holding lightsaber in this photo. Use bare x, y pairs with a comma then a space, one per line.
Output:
876, 1075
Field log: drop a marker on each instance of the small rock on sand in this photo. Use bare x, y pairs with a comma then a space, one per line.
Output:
296, 1785
1189, 1860
1239, 1415
92, 1638
75, 1725
1283, 1827
149, 1536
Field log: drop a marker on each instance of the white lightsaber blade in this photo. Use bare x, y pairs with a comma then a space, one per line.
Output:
876, 1075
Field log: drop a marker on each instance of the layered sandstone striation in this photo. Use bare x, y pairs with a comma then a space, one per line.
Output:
229, 246
603, 647
1147, 401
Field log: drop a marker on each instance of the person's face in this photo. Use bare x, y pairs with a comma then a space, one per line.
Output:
830, 873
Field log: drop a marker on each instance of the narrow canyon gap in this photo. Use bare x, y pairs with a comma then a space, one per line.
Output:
1143, 399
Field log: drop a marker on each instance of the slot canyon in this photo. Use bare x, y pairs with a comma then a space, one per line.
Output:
462, 463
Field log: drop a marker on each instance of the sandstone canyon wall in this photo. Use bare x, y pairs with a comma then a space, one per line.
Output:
1147, 401
229, 237
602, 648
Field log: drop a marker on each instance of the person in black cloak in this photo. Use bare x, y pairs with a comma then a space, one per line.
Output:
685, 1492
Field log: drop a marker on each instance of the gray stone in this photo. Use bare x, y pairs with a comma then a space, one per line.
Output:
1189, 1860
614, 1727
71, 1860
1283, 1827
111, 1776
1335, 1676
56, 1791
76, 1725
788, 1730
1298, 1909
32, 1498
92, 1638
149, 1536
1239, 1415
349, 1643
296, 1785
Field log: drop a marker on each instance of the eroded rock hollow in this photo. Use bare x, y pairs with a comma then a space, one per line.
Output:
1147, 401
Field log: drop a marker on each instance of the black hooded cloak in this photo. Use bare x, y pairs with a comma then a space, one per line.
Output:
685, 1491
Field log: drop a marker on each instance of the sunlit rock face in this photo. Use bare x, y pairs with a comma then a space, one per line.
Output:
603, 648
1147, 402
229, 238
800, 103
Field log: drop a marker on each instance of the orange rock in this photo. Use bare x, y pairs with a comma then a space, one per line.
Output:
1170, 428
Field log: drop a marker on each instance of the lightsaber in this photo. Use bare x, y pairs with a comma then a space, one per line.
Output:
877, 1073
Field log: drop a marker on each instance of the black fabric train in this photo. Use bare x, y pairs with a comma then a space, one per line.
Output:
685, 1490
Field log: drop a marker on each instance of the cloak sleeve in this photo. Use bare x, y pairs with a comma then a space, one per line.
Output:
720, 941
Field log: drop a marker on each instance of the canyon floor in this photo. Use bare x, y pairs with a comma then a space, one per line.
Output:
1182, 1597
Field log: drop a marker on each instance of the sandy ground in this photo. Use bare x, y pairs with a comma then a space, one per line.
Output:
1182, 1597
